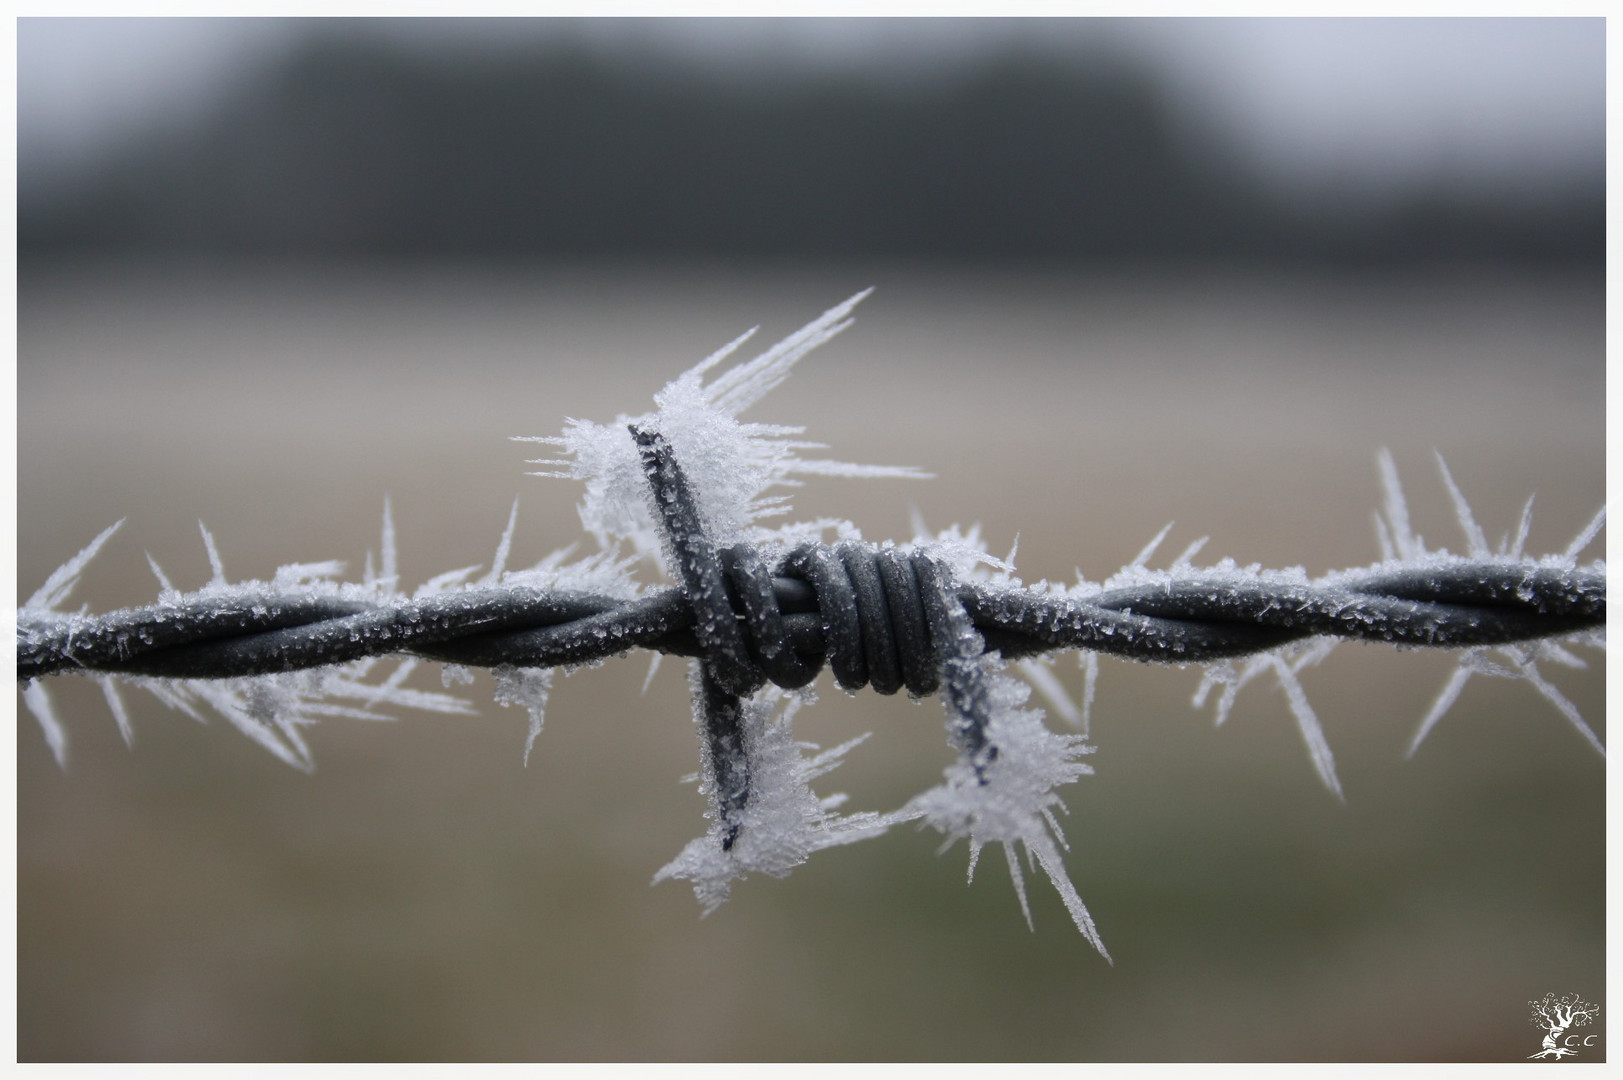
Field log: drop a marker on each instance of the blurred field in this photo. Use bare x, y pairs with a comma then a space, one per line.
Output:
423, 895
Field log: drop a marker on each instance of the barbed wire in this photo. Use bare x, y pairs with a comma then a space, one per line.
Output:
858, 607
919, 617
877, 615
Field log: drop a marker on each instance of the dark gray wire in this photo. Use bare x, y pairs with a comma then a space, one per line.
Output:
809, 611
868, 611
726, 673
877, 615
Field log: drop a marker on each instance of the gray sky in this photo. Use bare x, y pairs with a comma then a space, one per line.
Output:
1366, 105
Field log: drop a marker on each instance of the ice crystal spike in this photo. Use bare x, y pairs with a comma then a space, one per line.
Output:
57, 587
736, 468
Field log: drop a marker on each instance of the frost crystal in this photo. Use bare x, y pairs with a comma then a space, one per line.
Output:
732, 466
1521, 659
271, 709
1002, 787
1285, 663
735, 471
1011, 799
527, 687
783, 821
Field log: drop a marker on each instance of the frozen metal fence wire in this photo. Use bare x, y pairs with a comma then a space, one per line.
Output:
855, 606
762, 613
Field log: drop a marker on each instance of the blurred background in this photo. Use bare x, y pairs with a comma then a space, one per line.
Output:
1128, 273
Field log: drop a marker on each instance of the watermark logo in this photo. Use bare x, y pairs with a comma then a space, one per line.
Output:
1557, 1015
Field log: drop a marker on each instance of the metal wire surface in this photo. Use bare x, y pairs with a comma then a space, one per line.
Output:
877, 615
755, 613
854, 606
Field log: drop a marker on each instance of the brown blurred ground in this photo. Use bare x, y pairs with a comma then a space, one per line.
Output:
425, 896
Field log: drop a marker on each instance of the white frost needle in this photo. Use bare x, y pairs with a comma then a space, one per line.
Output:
1184, 559
1522, 667
389, 572
746, 384
115, 705
56, 736
1318, 747
1445, 701
1383, 538
1090, 683
1514, 549
1529, 671
441, 582
1553, 652
1589, 532
528, 688
60, 584
1039, 673
1476, 541
1143, 557
1404, 541
157, 572
498, 564
215, 565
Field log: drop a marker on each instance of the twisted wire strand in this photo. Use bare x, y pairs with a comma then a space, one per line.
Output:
876, 615
873, 609
856, 606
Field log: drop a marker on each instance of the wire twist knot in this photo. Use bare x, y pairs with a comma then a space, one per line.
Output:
885, 618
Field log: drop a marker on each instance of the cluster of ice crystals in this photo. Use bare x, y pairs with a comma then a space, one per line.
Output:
1005, 790
42, 609
1400, 545
1401, 549
274, 709
734, 468
1009, 797
527, 688
1284, 663
784, 821
270, 709
737, 472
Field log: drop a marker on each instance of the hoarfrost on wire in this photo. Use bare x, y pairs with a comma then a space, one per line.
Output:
1002, 791
732, 468
784, 821
1005, 793
1400, 546
735, 468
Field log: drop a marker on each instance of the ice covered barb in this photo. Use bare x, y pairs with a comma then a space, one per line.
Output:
1003, 787
783, 822
737, 469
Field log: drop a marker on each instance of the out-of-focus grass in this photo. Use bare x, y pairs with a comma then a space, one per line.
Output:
424, 896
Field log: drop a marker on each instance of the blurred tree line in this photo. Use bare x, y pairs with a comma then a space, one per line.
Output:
362, 150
